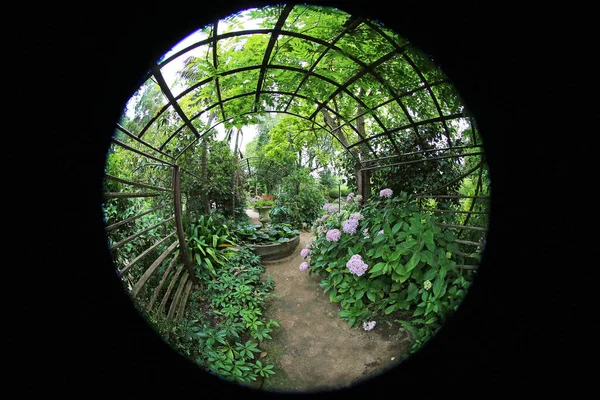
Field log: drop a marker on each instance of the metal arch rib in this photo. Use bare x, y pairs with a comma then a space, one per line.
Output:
272, 40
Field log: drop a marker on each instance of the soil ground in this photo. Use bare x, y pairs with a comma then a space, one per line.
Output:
314, 350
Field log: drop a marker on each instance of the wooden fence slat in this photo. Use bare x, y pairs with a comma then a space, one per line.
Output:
474, 228
165, 298
177, 296
135, 235
471, 267
131, 219
183, 301
162, 282
146, 275
118, 195
467, 242
143, 254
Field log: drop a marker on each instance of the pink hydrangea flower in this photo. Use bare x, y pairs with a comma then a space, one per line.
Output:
367, 326
333, 235
356, 265
324, 217
386, 193
357, 216
304, 252
350, 197
303, 266
380, 232
350, 225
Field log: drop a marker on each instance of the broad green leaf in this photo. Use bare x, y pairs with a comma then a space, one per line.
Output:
337, 279
400, 269
413, 291
396, 227
428, 237
332, 295
379, 238
427, 256
430, 274
412, 263
372, 296
390, 309
395, 255
378, 267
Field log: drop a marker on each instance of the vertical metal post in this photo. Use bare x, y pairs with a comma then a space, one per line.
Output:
339, 195
179, 223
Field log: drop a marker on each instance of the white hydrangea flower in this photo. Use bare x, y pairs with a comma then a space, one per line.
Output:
427, 285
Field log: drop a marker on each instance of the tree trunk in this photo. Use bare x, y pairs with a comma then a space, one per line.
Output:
234, 190
363, 179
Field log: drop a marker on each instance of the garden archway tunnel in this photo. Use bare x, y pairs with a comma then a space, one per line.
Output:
358, 87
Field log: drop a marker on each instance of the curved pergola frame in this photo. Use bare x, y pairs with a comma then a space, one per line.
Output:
369, 158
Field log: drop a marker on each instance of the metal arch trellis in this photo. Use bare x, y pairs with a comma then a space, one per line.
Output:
179, 277
310, 72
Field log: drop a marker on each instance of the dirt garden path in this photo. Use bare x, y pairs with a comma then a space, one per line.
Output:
313, 349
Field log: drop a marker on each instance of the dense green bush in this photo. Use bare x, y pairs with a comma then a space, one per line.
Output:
210, 245
223, 328
336, 192
388, 260
300, 200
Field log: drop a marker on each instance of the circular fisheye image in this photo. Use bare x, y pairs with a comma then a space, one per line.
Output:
296, 199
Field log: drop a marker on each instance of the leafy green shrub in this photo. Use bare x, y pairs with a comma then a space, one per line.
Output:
210, 245
334, 192
389, 260
223, 328
263, 203
301, 199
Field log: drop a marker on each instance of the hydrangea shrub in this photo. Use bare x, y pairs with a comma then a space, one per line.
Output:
405, 273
